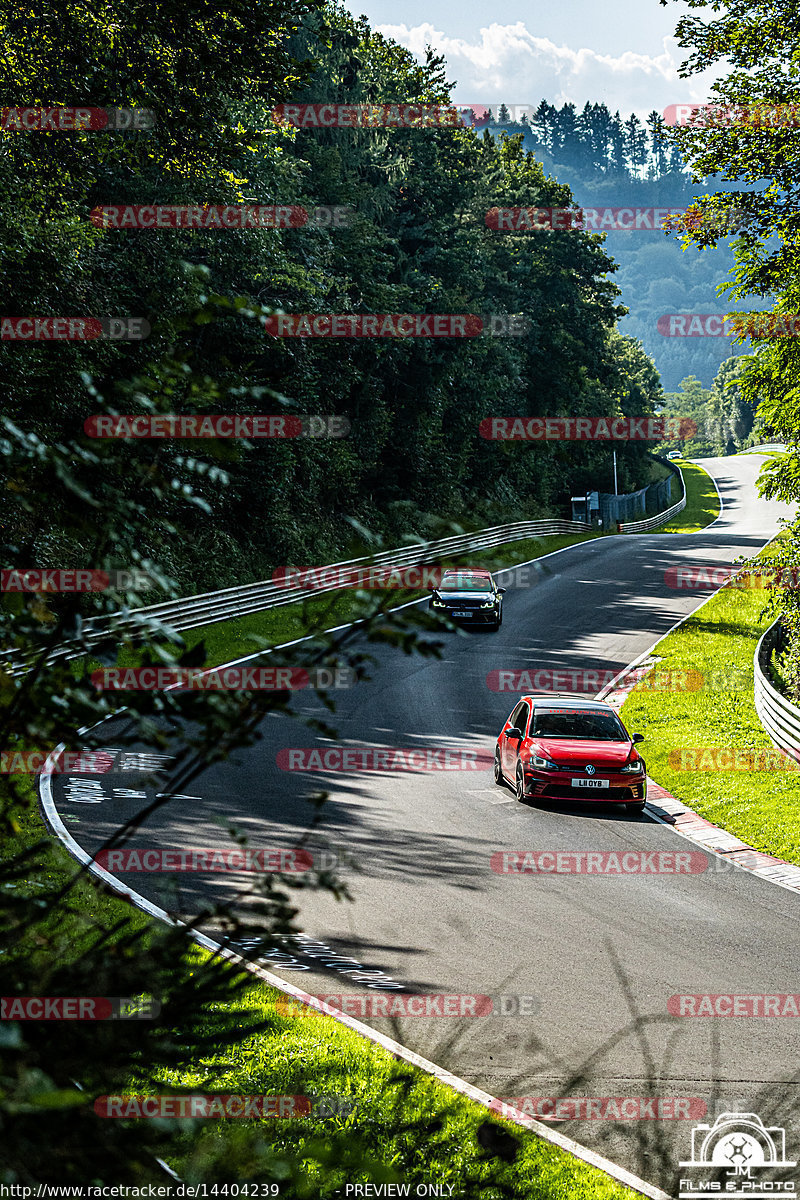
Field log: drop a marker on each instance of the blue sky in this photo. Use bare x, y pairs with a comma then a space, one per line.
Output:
621, 51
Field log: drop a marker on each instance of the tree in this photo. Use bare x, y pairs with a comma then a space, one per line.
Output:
657, 146
570, 148
70, 501
753, 141
737, 415
543, 125
617, 164
635, 145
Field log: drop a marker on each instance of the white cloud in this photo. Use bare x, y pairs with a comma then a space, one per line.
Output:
512, 66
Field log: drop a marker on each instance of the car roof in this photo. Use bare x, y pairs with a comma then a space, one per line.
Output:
466, 571
550, 698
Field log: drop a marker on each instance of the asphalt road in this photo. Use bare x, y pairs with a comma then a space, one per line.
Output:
428, 911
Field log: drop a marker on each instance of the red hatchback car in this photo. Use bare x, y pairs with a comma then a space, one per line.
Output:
559, 748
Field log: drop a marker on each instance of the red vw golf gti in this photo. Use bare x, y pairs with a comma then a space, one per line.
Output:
557, 748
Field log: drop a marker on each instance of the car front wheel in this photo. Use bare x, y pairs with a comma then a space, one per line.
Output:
636, 807
520, 784
498, 770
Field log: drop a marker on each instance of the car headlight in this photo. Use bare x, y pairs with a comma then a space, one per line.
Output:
536, 760
632, 768
489, 604
438, 604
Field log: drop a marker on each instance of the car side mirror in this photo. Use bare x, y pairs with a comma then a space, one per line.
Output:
502, 590
637, 737
514, 732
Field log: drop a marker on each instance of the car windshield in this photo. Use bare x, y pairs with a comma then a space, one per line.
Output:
577, 723
465, 583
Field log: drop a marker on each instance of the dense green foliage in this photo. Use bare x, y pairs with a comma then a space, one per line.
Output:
206, 513
726, 421
69, 502
417, 243
756, 42
608, 161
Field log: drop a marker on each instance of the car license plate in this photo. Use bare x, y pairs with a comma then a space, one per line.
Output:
461, 614
590, 783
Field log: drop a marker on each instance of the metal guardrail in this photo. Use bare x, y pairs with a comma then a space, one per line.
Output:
190, 612
764, 446
661, 518
780, 718
255, 597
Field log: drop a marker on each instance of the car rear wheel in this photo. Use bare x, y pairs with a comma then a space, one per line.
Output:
519, 786
636, 807
498, 770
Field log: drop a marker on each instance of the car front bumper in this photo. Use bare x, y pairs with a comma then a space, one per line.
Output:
477, 616
622, 789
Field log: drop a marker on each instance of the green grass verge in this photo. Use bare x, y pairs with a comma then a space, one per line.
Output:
414, 1129
702, 501
760, 806
398, 1124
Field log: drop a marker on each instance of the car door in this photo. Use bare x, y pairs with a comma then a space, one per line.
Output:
509, 750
